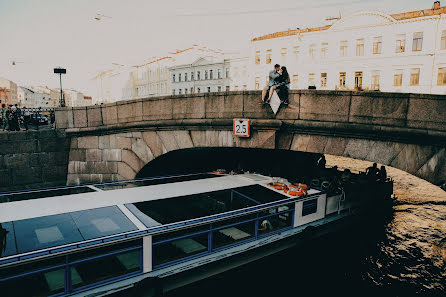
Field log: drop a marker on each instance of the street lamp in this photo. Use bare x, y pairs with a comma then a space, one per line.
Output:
61, 71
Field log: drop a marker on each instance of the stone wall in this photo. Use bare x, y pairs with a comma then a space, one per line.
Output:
33, 159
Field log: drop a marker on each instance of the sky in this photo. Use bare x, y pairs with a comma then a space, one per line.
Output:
42, 34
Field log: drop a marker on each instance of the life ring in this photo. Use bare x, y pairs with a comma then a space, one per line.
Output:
299, 185
295, 191
277, 186
219, 171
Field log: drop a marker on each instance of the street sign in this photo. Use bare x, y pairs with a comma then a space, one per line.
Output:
240, 128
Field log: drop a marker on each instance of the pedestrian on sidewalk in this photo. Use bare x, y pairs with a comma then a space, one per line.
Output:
26, 117
3, 118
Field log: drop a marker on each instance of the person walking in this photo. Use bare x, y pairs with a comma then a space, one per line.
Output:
26, 117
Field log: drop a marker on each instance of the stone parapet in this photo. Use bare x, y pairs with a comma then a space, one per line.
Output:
415, 112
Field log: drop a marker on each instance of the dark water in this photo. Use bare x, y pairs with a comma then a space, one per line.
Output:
402, 254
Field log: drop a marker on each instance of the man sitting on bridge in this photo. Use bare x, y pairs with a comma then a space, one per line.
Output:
273, 76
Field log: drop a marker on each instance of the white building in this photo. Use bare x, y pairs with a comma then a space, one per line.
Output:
403, 52
25, 97
204, 75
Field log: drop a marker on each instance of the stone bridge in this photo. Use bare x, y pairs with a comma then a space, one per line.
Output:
114, 141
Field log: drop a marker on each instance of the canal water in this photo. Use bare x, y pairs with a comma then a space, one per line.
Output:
403, 254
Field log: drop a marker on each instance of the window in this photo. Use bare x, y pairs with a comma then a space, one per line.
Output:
198, 75
268, 56
359, 47
185, 76
343, 48
400, 46
312, 51
244, 87
358, 80
235, 88
311, 79
375, 80
227, 72
296, 52
323, 80
198, 90
227, 88
415, 77
309, 207
257, 58
89, 272
398, 78
173, 80
441, 80
179, 77
206, 75
211, 74
219, 88
179, 91
295, 81
185, 91
283, 53
324, 50
443, 40
219, 73
209, 89
192, 76
192, 90
257, 83
177, 249
377, 45
417, 44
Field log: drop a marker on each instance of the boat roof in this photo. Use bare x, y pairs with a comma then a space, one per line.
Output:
116, 210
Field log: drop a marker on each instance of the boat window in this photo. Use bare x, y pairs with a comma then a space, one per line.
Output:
189, 207
180, 233
50, 231
105, 268
7, 240
45, 232
154, 181
42, 193
309, 207
105, 221
277, 209
180, 248
233, 234
45, 264
38, 284
95, 252
261, 194
276, 222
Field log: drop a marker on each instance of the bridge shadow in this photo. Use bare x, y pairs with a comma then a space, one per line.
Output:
272, 162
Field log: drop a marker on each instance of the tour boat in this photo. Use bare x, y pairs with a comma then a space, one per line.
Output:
159, 233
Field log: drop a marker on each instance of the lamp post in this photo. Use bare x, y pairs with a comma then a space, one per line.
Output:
60, 71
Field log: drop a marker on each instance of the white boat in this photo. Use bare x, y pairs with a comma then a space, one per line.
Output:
155, 233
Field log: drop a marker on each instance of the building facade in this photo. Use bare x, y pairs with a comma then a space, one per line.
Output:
9, 91
25, 97
204, 75
368, 50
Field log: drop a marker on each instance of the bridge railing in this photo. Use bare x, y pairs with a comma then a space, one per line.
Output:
308, 109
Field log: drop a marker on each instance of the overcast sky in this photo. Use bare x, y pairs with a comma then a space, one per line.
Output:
42, 34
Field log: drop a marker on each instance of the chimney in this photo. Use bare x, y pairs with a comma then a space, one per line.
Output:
436, 5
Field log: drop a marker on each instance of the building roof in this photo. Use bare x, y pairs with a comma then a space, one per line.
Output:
398, 17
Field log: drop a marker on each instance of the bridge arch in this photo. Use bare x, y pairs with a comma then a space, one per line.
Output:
125, 155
